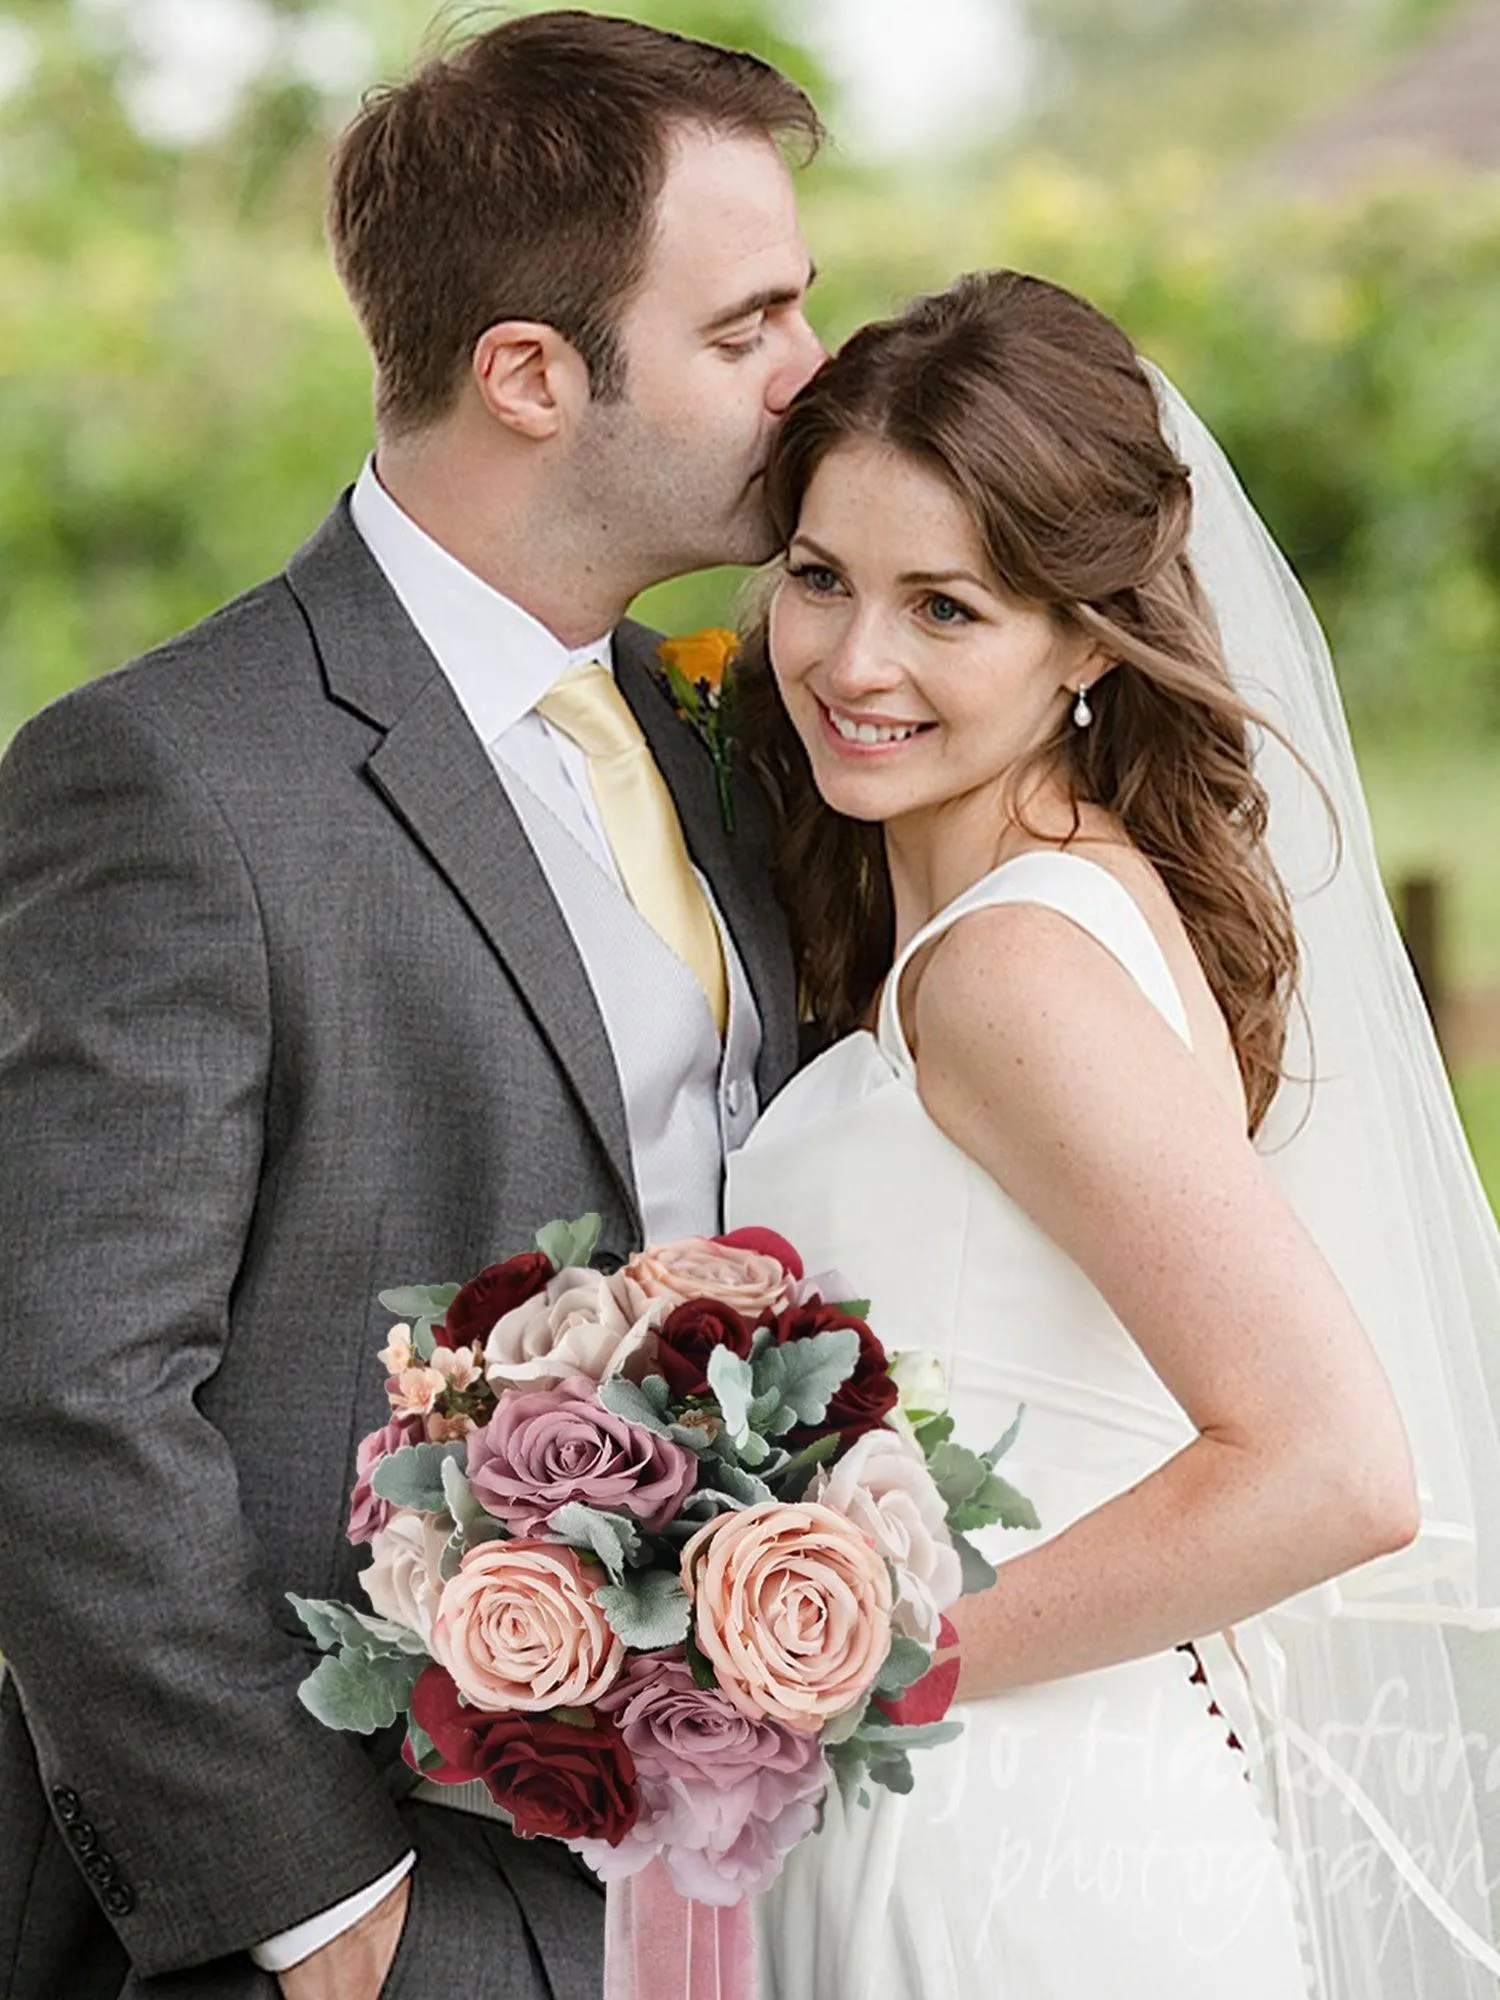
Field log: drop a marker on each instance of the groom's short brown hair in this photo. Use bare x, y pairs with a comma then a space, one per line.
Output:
517, 178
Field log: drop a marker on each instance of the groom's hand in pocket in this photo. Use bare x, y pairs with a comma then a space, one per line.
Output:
355, 1964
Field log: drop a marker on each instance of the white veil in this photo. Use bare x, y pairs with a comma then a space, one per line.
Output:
1372, 1704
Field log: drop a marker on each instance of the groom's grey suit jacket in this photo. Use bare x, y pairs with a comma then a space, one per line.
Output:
287, 1013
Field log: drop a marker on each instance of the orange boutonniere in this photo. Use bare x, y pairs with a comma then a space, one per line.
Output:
695, 670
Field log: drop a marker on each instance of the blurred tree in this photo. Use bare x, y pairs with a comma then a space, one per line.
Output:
1118, 78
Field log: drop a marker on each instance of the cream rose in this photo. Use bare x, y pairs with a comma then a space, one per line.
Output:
882, 1486
577, 1326
699, 1268
402, 1582
792, 1608
519, 1628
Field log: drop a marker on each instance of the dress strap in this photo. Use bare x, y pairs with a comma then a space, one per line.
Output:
1077, 888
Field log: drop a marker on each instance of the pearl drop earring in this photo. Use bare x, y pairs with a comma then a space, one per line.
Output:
1083, 715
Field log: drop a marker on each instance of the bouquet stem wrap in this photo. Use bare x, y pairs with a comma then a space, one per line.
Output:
660, 1946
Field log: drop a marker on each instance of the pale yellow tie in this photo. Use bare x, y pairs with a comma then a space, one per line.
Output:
640, 823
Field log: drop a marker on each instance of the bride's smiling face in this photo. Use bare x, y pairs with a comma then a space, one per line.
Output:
890, 620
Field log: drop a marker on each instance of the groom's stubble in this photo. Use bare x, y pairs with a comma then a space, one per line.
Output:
666, 476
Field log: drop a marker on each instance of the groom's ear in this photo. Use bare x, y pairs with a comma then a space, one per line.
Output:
530, 378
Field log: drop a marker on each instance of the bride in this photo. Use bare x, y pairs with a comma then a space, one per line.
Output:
1068, 899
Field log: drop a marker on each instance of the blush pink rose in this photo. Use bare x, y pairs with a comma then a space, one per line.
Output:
402, 1581
745, 1276
367, 1511
882, 1485
518, 1627
723, 1798
545, 1447
791, 1607
578, 1325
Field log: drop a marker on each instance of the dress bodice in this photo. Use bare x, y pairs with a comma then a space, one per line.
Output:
849, 1166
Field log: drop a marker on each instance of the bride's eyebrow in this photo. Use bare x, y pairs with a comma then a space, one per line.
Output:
935, 577
814, 549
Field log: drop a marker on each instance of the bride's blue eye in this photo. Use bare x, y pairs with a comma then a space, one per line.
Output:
816, 577
943, 610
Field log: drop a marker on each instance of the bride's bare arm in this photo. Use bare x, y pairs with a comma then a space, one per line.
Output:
1040, 1057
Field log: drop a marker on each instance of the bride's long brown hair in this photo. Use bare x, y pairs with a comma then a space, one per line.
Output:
1036, 411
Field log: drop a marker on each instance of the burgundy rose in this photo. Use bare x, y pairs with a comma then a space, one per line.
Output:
930, 1698
765, 1243
688, 1336
555, 1779
864, 1398
486, 1299
367, 1511
545, 1447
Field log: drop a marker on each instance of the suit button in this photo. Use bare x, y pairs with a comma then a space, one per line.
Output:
82, 1836
68, 1804
119, 1901
100, 1868
607, 1262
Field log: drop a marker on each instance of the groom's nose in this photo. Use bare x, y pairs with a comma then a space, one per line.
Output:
806, 356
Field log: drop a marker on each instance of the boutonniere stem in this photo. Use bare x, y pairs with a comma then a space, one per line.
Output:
696, 671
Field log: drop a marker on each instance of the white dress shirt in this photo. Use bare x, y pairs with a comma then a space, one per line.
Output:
685, 1102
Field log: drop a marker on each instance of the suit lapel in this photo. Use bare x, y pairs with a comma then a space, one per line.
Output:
437, 778
737, 865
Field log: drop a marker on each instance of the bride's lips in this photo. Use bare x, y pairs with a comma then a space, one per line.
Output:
864, 751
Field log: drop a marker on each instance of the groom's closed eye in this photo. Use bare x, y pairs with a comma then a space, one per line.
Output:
748, 314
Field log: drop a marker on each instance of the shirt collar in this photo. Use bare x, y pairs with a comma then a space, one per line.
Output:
499, 659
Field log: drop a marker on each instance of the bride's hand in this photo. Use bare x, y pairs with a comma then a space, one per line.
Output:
355, 1964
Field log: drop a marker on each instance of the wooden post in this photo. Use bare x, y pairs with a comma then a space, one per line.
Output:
1420, 911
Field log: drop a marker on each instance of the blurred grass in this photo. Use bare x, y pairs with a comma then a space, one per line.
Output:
1479, 1103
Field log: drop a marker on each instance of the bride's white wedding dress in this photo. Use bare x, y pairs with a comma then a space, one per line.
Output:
1092, 1838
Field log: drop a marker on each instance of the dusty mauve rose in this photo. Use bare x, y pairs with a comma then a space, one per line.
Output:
883, 1486
402, 1581
518, 1627
576, 1325
862, 1401
723, 1798
555, 1779
688, 1336
485, 1300
545, 1447
702, 1267
367, 1511
791, 1607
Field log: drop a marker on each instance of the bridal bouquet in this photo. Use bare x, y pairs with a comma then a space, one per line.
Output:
657, 1554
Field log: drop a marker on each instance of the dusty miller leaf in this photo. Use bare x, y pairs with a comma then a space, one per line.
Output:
353, 1691
998, 1450
977, 1574
730, 1379
996, 1504
334, 1624
420, 1301
570, 1244
904, 1666
412, 1476
809, 1372
614, 1538
647, 1609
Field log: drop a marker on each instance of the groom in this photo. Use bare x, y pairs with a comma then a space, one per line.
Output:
330, 957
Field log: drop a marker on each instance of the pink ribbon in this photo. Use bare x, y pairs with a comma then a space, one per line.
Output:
660, 1946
